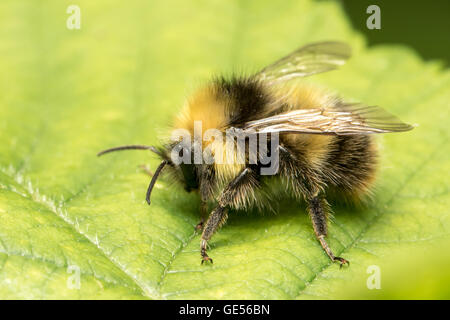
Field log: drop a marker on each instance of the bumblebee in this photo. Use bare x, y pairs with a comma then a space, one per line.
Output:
324, 144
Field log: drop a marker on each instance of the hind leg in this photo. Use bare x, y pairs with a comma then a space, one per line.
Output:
306, 184
318, 209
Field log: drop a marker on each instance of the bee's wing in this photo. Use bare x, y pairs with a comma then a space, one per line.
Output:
310, 59
349, 119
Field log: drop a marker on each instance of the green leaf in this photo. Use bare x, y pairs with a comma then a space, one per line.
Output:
67, 94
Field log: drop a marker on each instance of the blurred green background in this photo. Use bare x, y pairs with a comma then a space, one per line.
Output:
419, 25
66, 94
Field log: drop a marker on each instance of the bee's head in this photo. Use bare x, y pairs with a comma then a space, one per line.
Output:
185, 173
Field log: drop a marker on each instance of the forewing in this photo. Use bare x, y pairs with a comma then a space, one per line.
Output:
307, 60
349, 119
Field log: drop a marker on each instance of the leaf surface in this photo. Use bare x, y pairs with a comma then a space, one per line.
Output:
67, 94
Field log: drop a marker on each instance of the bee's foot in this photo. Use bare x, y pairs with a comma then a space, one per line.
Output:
146, 169
199, 226
205, 258
342, 261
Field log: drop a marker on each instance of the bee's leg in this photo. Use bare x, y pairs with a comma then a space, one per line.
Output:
318, 212
219, 215
203, 208
146, 169
215, 220
206, 189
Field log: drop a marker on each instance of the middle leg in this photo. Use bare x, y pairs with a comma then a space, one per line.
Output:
203, 208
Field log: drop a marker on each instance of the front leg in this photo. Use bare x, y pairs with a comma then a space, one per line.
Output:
318, 208
145, 168
219, 215
207, 178
215, 220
